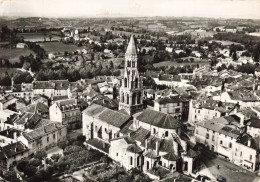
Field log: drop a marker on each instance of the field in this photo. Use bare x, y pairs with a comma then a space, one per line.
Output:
175, 64
55, 47
14, 53
37, 37
226, 42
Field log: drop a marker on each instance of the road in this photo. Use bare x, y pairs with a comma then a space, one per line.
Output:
227, 170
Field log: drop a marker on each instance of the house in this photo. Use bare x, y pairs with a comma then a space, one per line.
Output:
4, 116
23, 90
45, 137
169, 49
66, 112
226, 136
244, 97
51, 88
40, 99
10, 154
21, 45
6, 101
9, 136
176, 106
206, 109
37, 108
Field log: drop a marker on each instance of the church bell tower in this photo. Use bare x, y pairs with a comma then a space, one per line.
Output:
131, 90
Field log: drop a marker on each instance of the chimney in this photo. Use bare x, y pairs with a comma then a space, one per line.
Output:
157, 147
242, 120
146, 144
184, 146
249, 142
175, 147
15, 136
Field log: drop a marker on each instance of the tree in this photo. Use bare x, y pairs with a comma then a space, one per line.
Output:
6, 80
29, 170
81, 138
21, 164
50, 37
40, 155
111, 65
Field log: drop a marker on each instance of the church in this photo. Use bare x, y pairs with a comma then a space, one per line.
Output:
136, 137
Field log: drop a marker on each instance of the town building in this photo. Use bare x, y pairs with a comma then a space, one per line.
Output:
45, 137
10, 154
51, 88
66, 112
226, 136
176, 106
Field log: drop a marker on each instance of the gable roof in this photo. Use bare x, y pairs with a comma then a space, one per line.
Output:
158, 119
12, 149
42, 131
107, 115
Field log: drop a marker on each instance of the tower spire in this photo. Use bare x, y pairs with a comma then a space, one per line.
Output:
131, 48
131, 90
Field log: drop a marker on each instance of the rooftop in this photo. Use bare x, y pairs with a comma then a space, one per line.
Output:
158, 119
107, 115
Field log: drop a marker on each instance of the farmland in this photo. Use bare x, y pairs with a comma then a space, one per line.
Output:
13, 54
37, 37
175, 64
55, 47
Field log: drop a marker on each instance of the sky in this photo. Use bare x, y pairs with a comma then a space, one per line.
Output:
246, 9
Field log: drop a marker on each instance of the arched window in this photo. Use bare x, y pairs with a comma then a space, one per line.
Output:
154, 131
136, 83
122, 97
139, 98
125, 82
131, 161
127, 99
133, 98
166, 133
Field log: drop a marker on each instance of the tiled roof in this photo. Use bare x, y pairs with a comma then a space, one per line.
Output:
192, 153
140, 134
232, 132
243, 139
13, 149
42, 131
171, 156
67, 104
34, 108
167, 100
10, 133
109, 116
158, 119
254, 122
134, 148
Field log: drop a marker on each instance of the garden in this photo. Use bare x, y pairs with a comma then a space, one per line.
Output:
75, 156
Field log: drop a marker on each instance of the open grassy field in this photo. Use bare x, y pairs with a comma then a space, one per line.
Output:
226, 42
55, 47
175, 64
13, 54
37, 37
